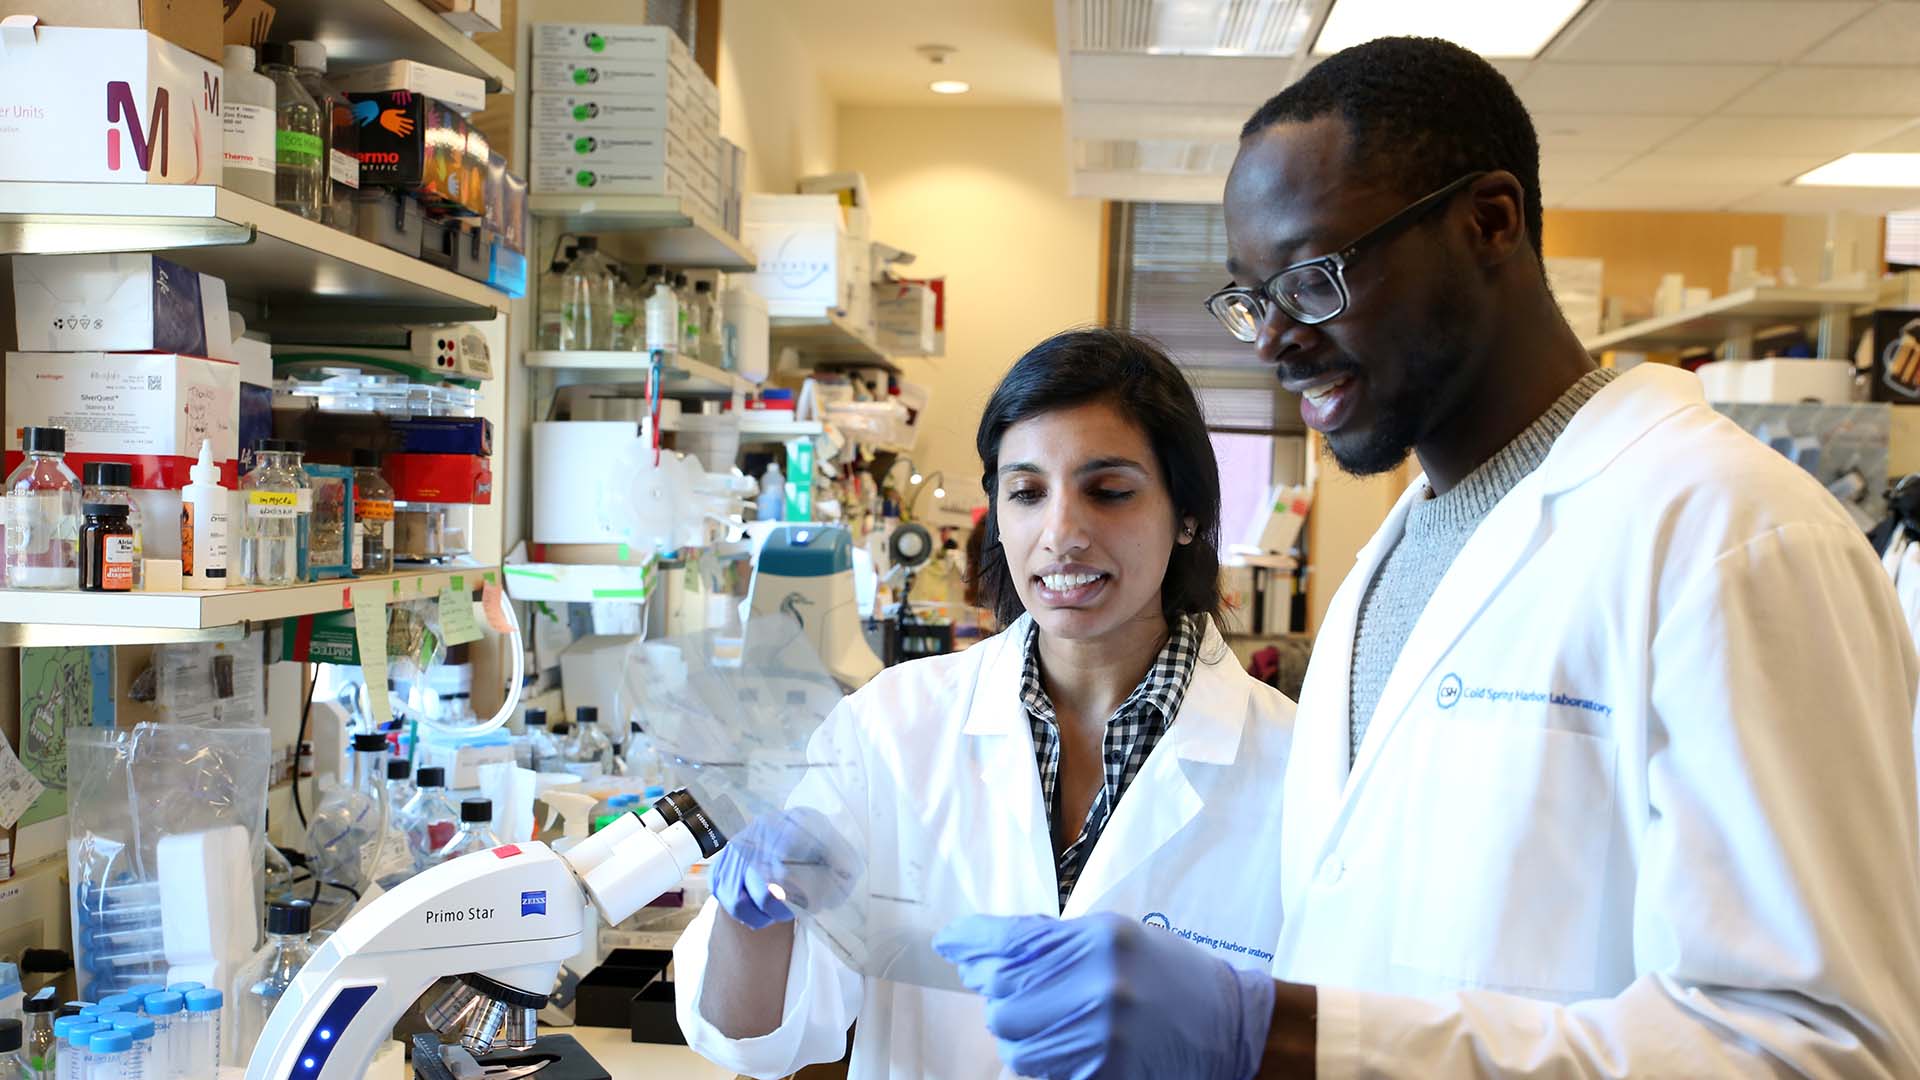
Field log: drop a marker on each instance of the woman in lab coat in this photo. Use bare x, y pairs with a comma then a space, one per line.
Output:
982, 787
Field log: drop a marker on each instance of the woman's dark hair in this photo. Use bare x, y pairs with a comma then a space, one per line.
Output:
1135, 375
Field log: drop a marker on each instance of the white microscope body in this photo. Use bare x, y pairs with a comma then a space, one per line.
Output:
503, 920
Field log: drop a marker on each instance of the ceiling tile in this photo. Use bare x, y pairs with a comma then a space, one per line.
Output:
1890, 34
1718, 170
1811, 200
1559, 169
1131, 120
1610, 195
1604, 133
1905, 142
1636, 88
1832, 91
1233, 82
1703, 31
1766, 135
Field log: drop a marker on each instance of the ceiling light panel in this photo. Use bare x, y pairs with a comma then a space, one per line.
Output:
1866, 171
1164, 156
1492, 28
1271, 28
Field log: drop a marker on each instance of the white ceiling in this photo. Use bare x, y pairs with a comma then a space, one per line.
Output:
1641, 104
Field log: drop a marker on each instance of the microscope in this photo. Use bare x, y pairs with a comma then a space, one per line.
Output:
502, 921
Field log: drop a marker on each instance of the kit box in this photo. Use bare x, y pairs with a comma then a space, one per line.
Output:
118, 303
149, 409
467, 93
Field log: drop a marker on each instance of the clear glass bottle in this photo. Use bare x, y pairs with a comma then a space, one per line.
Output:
277, 494
37, 1044
588, 751
586, 300
346, 831
201, 1046
112, 482
627, 335
544, 751
429, 818
548, 331
476, 830
400, 789
339, 134
372, 515
264, 980
43, 515
299, 149
13, 1058
706, 322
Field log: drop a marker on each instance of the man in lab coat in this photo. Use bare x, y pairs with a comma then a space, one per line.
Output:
1604, 762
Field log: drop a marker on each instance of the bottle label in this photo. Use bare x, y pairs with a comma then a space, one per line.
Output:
273, 504
344, 169
358, 547
373, 509
297, 148
116, 563
303, 500
248, 136
386, 535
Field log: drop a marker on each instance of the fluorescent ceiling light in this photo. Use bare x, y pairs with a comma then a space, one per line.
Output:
1501, 29
949, 86
1866, 170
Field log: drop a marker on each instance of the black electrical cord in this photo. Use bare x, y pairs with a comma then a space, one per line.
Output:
306, 712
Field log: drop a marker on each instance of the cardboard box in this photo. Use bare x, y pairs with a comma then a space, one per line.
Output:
590, 147
903, 318
798, 244
631, 77
445, 435
248, 22
464, 92
439, 478
118, 303
194, 25
593, 109
469, 16
419, 145
566, 178
1896, 356
609, 41
150, 409
161, 124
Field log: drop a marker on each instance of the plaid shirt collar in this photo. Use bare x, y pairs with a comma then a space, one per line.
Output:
1133, 731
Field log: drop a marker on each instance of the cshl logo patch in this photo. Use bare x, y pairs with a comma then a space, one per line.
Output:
533, 903
1449, 693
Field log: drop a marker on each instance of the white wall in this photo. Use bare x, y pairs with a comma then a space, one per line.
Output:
772, 102
980, 195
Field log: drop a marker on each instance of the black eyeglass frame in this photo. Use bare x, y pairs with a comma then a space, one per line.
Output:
1335, 264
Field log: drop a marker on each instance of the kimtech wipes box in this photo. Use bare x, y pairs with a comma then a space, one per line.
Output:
106, 106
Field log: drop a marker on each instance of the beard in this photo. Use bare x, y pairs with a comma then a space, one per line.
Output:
1430, 367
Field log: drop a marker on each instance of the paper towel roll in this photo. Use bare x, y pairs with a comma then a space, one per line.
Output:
575, 463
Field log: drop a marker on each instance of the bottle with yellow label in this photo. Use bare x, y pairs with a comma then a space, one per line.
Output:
276, 497
372, 515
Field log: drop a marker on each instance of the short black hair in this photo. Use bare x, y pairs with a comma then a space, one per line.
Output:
1080, 367
1421, 112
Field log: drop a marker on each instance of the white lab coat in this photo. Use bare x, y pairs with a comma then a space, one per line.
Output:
1638, 798
955, 813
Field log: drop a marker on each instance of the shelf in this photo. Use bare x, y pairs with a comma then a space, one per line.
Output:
57, 616
296, 273
664, 229
828, 341
361, 32
1734, 315
578, 584
779, 431
685, 378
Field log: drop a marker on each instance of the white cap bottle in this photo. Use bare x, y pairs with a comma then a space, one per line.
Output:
205, 509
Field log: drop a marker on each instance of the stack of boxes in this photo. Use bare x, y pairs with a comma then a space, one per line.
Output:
624, 110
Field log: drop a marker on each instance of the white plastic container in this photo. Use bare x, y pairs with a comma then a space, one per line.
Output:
744, 333
663, 320
206, 511
246, 120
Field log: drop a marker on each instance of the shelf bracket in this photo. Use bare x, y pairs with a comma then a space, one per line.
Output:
62, 234
58, 635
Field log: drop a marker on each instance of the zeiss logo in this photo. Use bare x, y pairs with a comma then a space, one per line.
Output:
533, 903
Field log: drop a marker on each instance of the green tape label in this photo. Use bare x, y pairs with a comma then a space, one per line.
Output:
296, 147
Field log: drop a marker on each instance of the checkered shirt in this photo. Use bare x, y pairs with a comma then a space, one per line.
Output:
1133, 731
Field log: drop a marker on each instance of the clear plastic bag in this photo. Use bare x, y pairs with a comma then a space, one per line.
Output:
166, 854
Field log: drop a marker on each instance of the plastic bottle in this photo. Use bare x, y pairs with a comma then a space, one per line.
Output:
266, 979
587, 299
544, 751
13, 1058
205, 520
246, 121
340, 136
271, 531
476, 830
429, 818
372, 515
772, 503
202, 1043
112, 482
589, 752
43, 515
166, 1009
299, 150
346, 832
547, 332
663, 319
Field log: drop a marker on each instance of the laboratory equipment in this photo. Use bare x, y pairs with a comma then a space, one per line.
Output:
262, 985
300, 169
13, 1058
587, 289
805, 572
328, 550
106, 549
246, 120
372, 515
400, 789
543, 752
475, 832
206, 515
141, 1056
277, 495
167, 1008
43, 515
504, 925
38, 1041
429, 818
588, 752
339, 134
348, 834
112, 482
76, 1054
200, 1046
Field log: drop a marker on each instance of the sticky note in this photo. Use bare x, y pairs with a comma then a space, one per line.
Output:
370, 634
457, 625
493, 601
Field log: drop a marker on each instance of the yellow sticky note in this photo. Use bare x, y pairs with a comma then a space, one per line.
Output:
457, 625
370, 634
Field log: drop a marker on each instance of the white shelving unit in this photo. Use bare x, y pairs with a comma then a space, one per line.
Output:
665, 229
61, 617
828, 341
360, 32
289, 270
1735, 318
685, 378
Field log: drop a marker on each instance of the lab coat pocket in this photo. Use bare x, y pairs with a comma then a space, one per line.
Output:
1506, 830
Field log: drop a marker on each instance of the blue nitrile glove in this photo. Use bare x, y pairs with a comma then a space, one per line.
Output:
796, 853
1106, 996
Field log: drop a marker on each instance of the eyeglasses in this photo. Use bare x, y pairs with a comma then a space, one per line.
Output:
1315, 290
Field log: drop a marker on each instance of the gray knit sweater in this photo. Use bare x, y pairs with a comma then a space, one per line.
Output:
1437, 528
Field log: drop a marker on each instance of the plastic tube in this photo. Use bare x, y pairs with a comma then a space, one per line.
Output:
110, 1053
76, 1058
167, 1011
139, 1063
203, 1033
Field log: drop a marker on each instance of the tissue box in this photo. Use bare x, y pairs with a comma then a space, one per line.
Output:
149, 409
465, 92
422, 146
160, 125
118, 303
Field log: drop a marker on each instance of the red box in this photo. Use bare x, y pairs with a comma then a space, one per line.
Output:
439, 478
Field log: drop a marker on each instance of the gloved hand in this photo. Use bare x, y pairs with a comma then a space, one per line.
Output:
1105, 996
792, 855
